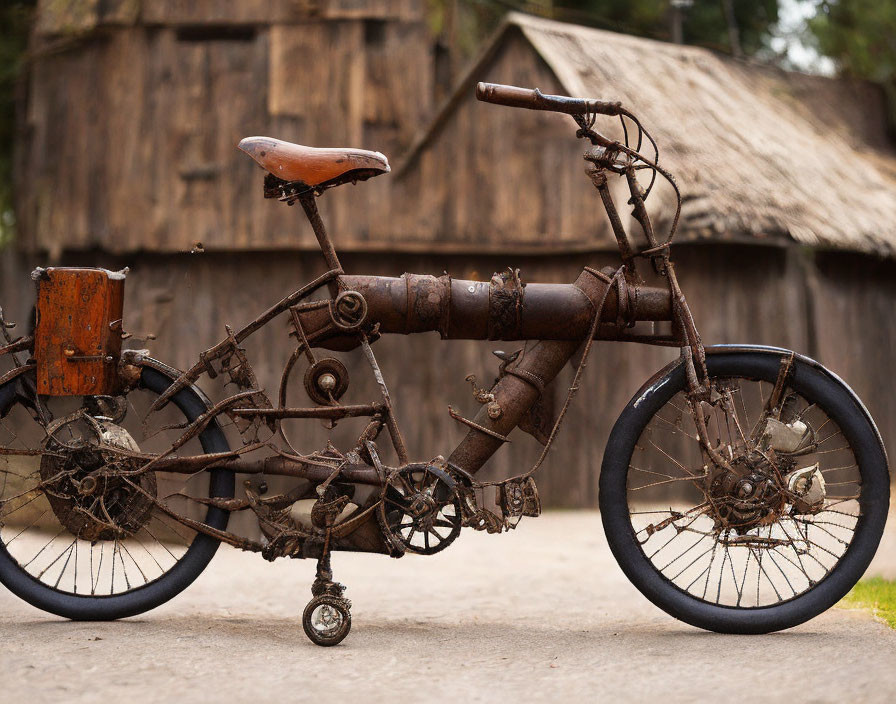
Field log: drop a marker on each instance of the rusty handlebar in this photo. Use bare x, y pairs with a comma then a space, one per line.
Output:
515, 97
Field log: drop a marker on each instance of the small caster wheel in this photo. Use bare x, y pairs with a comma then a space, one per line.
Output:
327, 619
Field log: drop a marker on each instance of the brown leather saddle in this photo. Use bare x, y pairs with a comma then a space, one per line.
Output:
314, 167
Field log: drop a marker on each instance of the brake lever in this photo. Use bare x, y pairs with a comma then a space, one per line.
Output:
609, 158
586, 132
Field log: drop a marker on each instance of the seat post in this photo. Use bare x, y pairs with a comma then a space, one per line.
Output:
323, 239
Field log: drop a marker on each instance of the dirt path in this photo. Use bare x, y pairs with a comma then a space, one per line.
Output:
542, 614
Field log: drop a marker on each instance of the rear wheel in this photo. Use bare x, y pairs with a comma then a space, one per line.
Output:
776, 537
93, 549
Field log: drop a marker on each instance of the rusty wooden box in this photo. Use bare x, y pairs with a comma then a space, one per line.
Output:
77, 341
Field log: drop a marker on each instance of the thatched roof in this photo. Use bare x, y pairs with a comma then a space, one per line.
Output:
758, 152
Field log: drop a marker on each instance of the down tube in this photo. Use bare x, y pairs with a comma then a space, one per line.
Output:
515, 393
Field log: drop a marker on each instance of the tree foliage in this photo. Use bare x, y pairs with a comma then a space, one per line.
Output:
860, 35
704, 23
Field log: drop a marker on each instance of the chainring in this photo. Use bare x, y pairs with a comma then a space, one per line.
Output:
419, 500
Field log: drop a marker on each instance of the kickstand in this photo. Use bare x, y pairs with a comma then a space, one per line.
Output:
323, 581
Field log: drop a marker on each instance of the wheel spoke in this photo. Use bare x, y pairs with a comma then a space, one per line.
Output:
741, 552
427, 488
48, 523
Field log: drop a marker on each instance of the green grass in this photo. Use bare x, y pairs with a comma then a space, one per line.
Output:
877, 595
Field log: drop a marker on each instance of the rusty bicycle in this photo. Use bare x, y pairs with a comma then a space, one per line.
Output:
744, 489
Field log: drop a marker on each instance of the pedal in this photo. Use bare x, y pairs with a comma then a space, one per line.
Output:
325, 512
519, 499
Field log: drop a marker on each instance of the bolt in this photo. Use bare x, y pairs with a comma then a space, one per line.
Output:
87, 486
326, 382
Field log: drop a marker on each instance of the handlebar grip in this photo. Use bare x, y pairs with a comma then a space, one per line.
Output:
511, 96
515, 97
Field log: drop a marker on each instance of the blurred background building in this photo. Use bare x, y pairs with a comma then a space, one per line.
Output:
128, 114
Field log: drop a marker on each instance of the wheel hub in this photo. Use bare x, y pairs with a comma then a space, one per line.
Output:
744, 497
420, 506
88, 501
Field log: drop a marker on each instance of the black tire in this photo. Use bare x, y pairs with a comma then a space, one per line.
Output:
339, 606
813, 383
168, 585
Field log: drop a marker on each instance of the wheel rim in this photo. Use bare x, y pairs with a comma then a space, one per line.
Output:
735, 542
326, 620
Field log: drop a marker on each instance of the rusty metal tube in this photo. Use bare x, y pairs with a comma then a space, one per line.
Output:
540, 364
559, 316
357, 473
278, 465
460, 309
519, 389
331, 412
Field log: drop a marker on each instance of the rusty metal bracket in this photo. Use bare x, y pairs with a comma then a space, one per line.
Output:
16, 372
505, 305
466, 421
428, 302
20, 345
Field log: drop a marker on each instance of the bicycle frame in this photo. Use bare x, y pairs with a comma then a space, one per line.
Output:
554, 320
350, 500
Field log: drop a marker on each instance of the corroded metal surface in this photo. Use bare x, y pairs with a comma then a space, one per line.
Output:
79, 326
476, 310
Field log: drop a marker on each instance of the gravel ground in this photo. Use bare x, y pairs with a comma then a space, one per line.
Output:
541, 614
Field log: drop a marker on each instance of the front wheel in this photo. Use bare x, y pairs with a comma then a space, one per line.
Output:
778, 532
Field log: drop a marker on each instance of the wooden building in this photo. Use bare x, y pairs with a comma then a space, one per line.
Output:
127, 158
134, 111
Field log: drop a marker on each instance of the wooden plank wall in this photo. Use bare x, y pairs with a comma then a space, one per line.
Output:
66, 17
854, 303
484, 161
738, 294
130, 145
130, 135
